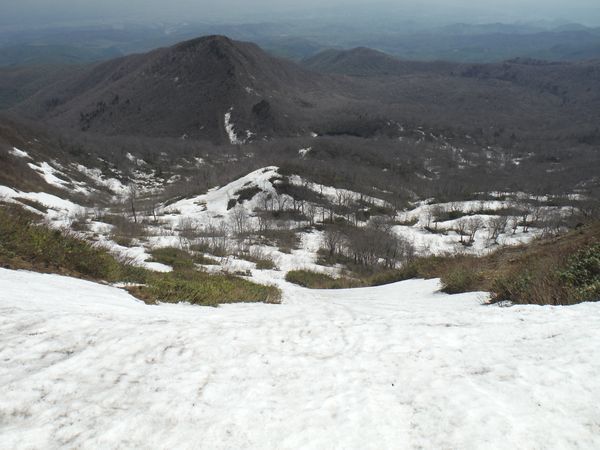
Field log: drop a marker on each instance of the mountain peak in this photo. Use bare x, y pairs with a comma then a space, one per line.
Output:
214, 41
197, 81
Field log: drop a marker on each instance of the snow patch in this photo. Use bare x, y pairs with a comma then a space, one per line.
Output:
136, 161
230, 129
48, 173
304, 151
60, 211
96, 175
397, 366
19, 153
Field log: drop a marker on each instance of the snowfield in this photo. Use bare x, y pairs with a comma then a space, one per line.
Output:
84, 365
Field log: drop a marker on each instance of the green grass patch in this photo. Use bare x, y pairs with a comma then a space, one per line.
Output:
461, 278
26, 244
179, 258
204, 289
582, 273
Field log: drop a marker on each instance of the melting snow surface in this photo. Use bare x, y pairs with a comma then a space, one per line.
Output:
48, 173
400, 366
59, 210
97, 177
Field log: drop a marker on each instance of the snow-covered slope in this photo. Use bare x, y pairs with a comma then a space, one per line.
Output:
214, 202
400, 366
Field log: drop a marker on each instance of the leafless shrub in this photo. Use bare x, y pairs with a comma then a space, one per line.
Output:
333, 239
215, 239
461, 229
474, 224
188, 231
552, 222
311, 212
79, 220
240, 220
496, 227
124, 230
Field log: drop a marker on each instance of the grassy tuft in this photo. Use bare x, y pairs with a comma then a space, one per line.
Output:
582, 273
262, 261
179, 259
204, 289
316, 280
25, 244
461, 278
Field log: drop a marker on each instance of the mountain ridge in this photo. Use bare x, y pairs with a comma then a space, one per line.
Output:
210, 75
231, 92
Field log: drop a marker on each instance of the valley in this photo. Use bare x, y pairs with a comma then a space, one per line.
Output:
206, 245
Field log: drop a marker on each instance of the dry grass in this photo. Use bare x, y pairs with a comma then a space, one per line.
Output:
317, 280
537, 273
560, 270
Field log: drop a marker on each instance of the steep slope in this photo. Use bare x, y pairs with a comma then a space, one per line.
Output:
209, 87
21, 82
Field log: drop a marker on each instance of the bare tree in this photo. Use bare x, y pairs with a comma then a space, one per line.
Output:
461, 229
266, 202
132, 200
429, 217
343, 201
188, 231
552, 223
436, 214
474, 224
311, 213
525, 213
514, 224
333, 239
239, 218
282, 201
497, 226
265, 220
216, 238
537, 214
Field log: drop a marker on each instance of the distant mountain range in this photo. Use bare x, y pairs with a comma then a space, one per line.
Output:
27, 54
459, 42
227, 91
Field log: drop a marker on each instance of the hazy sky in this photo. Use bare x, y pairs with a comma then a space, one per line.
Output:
20, 12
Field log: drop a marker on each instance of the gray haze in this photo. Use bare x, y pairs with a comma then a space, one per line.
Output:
47, 12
